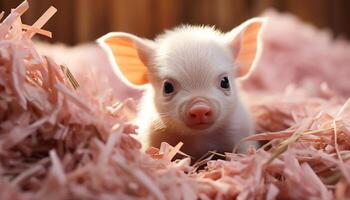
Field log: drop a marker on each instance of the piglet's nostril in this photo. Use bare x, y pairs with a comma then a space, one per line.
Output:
208, 114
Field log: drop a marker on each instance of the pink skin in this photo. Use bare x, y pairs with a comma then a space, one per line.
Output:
199, 114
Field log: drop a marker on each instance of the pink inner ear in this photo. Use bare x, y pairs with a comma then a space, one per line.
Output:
248, 48
127, 57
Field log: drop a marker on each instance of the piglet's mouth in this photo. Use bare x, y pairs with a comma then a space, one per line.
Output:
200, 126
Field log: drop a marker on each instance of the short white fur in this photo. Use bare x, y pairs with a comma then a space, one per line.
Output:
194, 58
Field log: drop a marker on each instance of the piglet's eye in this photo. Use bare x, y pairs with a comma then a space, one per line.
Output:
168, 87
224, 83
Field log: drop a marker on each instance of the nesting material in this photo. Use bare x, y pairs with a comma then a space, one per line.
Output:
58, 141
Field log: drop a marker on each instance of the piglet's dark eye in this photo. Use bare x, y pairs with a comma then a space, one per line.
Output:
168, 87
224, 83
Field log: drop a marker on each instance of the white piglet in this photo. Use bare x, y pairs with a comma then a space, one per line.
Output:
189, 75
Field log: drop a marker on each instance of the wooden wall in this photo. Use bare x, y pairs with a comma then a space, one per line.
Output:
85, 20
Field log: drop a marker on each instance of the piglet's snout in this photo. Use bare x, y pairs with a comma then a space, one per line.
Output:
199, 113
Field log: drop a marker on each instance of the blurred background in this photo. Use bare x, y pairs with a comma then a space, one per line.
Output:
79, 21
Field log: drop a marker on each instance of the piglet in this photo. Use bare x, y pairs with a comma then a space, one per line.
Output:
189, 75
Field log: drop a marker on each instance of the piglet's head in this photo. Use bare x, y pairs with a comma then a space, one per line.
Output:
192, 70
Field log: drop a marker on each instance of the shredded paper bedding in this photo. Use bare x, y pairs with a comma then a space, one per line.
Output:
58, 141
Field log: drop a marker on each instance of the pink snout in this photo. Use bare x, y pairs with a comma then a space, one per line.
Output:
199, 113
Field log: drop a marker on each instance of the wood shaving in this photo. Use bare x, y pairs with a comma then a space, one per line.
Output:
59, 142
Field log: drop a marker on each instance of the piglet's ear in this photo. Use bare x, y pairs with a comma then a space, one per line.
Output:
131, 54
245, 44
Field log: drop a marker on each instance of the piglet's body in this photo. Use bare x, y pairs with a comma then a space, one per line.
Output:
233, 126
189, 75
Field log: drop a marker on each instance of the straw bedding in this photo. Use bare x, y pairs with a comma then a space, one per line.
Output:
67, 139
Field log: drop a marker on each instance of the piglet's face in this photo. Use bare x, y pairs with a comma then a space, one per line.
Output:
192, 70
193, 78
